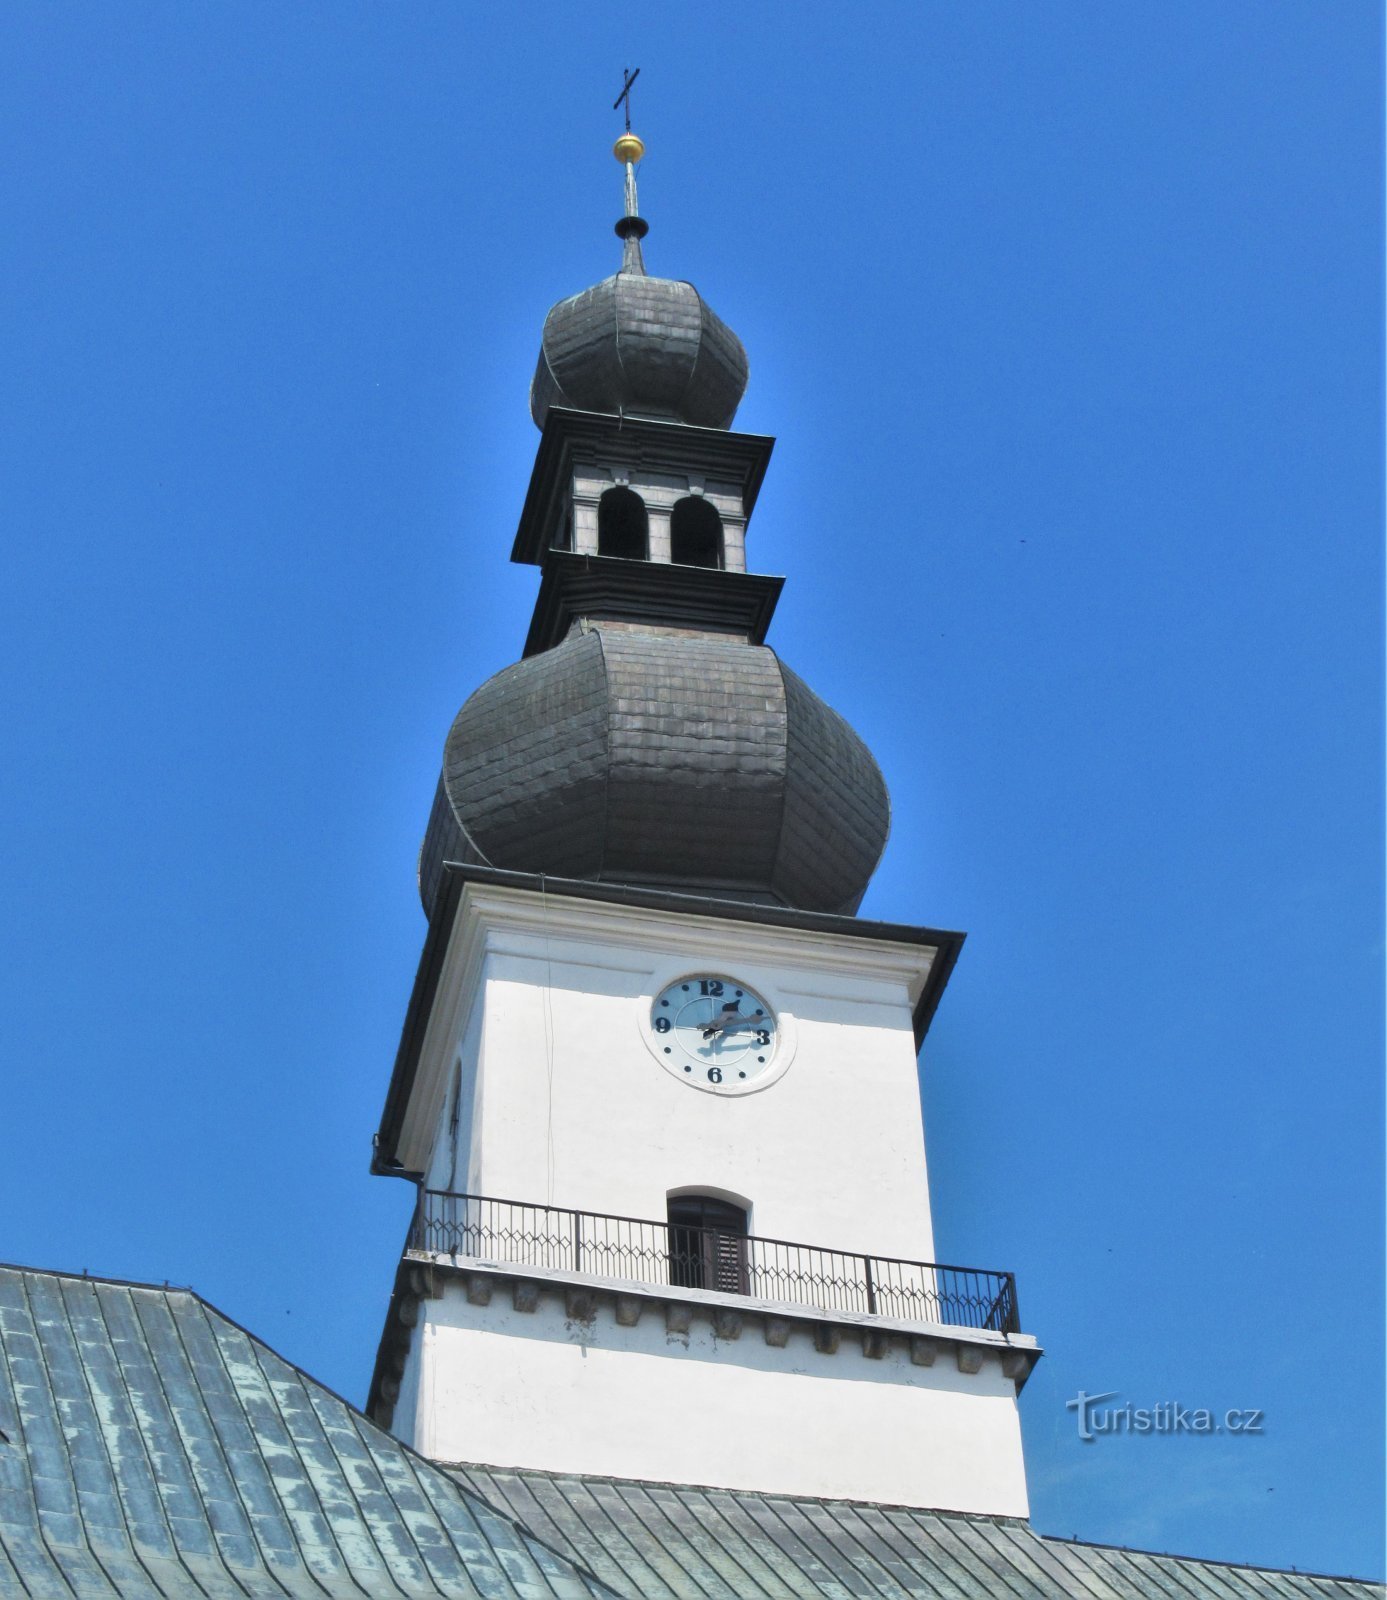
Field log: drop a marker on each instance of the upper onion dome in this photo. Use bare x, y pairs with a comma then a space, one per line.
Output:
650, 347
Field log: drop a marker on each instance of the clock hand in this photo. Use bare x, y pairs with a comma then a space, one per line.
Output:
731, 1024
718, 1027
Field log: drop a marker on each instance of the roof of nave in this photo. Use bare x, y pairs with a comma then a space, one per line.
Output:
151, 1449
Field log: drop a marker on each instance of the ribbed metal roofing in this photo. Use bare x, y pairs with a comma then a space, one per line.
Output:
672, 1542
153, 1450
150, 1449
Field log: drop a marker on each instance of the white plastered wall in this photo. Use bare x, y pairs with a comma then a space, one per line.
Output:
569, 1107
539, 1390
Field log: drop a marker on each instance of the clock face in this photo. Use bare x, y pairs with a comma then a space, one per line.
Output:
716, 1033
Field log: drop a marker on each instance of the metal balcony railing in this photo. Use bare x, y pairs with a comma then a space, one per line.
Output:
640, 1251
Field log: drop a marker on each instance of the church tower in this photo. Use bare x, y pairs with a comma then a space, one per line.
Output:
657, 1084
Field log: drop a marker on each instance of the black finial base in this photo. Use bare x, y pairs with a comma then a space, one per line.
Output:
632, 227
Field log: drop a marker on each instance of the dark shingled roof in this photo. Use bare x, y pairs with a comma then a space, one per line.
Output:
153, 1450
662, 1541
648, 346
697, 764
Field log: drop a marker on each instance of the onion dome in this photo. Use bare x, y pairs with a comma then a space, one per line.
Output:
650, 347
700, 765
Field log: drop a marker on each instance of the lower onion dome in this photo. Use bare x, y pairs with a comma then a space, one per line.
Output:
700, 765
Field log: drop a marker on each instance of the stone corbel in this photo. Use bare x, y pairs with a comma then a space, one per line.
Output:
727, 1322
1015, 1365
580, 1304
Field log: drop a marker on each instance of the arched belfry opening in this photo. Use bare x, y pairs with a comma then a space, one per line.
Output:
623, 528
707, 1243
695, 533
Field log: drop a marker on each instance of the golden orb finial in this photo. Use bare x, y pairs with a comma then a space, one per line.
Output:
628, 149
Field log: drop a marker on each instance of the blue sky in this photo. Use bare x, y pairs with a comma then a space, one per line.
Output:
1067, 319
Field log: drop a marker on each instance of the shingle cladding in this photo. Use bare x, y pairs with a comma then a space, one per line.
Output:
697, 750
648, 346
153, 1450
833, 788
444, 841
525, 763
652, 1541
696, 763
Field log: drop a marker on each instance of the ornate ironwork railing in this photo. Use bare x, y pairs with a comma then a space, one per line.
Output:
641, 1251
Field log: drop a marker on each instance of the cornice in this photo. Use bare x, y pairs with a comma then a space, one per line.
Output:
586, 1298
653, 594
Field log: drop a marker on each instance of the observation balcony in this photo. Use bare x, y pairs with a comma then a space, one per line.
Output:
705, 1281
673, 1255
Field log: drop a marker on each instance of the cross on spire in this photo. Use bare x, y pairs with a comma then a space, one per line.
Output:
628, 78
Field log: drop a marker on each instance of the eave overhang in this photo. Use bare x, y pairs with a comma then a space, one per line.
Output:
651, 595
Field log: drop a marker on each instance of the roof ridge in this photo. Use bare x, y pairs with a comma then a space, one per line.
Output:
101, 1277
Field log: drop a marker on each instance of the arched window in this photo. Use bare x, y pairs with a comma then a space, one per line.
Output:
695, 533
707, 1243
622, 525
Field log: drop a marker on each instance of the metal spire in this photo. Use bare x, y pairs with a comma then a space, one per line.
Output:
628, 150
